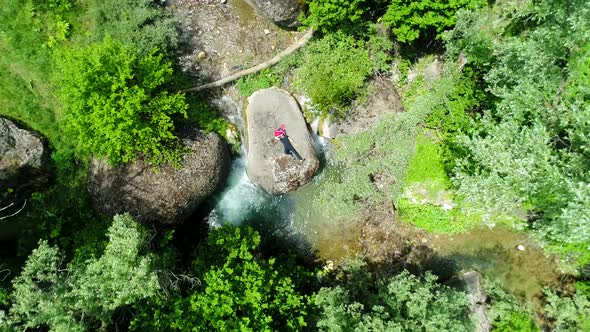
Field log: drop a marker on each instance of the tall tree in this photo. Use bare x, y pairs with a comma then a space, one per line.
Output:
83, 295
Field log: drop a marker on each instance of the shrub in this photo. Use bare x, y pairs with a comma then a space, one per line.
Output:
505, 313
517, 321
400, 303
457, 117
529, 153
333, 71
115, 105
262, 80
568, 313
349, 15
138, 23
411, 20
240, 290
83, 295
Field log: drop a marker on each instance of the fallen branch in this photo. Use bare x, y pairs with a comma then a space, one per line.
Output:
6, 207
297, 45
14, 214
5, 271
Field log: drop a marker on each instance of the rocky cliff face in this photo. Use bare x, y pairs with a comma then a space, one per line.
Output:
268, 165
23, 157
165, 196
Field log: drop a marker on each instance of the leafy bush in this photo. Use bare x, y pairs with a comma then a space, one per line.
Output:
349, 15
114, 103
84, 294
137, 23
273, 76
529, 153
54, 5
517, 321
457, 117
262, 80
240, 290
568, 313
411, 20
4, 297
505, 313
400, 303
333, 71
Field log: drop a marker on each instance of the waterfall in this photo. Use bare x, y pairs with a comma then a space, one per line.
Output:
239, 199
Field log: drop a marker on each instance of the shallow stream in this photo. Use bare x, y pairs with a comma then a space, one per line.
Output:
492, 251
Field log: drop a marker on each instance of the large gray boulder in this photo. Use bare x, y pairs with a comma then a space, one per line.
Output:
166, 196
283, 13
23, 157
268, 166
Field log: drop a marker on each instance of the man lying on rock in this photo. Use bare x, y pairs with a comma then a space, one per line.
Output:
281, 135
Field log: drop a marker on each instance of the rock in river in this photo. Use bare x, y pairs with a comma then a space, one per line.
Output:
268, 165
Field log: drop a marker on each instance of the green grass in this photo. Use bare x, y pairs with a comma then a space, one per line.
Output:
269, 77
264, 79
61, 212
426, 166
430, 186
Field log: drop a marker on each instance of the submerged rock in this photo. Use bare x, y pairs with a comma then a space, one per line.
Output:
282, 12
165, 196
268, 165
23, 158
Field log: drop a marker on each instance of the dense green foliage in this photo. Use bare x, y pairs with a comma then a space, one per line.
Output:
400, 303
113, 103
458, 116
530, 148
81, 295
239, 290
504, 311
137, 23
29, 96
262, 80
334, 71
568, 313
504, 138
347, 15
410, 20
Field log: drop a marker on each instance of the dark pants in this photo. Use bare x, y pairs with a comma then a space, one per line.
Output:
289, 149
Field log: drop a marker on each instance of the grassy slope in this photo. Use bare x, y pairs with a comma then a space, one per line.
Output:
28, 96
428, 190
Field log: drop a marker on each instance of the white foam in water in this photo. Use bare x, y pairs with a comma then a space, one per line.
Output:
239, 198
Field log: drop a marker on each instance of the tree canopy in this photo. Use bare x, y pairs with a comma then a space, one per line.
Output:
115, 105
